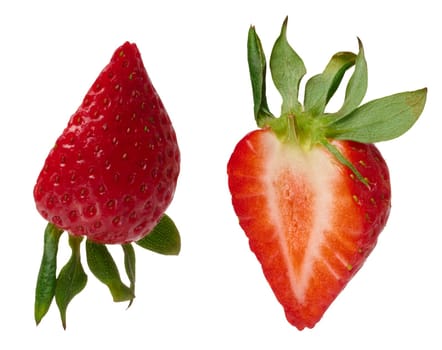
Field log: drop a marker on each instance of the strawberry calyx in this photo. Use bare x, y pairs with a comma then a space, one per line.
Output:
309, 124
72, 279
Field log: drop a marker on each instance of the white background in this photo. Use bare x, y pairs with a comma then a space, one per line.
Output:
214, 296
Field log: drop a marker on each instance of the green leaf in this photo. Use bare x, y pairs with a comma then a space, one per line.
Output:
257, 68
129, 265
357, 85
320, 88
47, 275
71, 280
103, 266
287, 70
380, 120
163, 239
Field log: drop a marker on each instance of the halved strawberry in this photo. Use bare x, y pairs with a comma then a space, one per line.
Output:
311, 191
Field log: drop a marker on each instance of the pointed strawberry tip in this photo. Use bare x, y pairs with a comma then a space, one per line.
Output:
300, 325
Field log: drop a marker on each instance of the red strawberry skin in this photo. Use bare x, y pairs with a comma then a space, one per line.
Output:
309, 220
113, 171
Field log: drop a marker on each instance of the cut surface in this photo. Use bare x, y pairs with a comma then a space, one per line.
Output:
306, 219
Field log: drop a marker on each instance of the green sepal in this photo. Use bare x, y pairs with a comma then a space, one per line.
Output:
344, 161
103, 266
129, 265
381, 119
71, 280
357, 85
47, 275
163, 239
287, 70
320, 88
257, 69
309, 125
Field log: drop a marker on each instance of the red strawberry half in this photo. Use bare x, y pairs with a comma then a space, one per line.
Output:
110, 177
311, 191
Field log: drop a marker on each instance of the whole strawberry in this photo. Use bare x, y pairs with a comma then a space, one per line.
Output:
311, 191
109, 177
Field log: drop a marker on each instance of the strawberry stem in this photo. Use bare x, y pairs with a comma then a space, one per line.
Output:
292, 132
